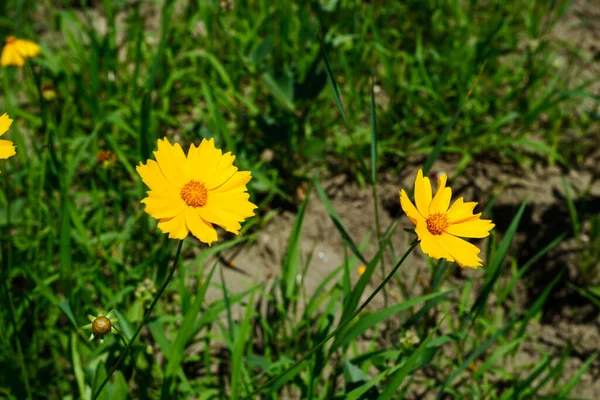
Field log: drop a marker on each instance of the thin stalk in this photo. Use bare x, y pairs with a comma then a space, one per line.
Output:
379, 239
342, 325
146, 317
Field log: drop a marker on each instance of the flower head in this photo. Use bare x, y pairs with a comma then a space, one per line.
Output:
16, 51
6, 147
190, 194
48, 92
101, 325
439, 226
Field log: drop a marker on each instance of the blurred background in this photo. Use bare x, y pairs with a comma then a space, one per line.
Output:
503, 96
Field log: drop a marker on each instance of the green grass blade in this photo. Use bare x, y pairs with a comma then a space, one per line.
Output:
369, 320
575, 379
538, 304
241, 340
373, 136
483, 347
572, 209
420, 357
499, 256
525, 267
337, 221
291, 262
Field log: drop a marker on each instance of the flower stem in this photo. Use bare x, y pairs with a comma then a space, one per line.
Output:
146, 317
340, 327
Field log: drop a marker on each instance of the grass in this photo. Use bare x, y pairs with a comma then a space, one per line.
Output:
364, 88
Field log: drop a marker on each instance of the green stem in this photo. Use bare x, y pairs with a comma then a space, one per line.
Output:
379, 239
342, 325
146, 317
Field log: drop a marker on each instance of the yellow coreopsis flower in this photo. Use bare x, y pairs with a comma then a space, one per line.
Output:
16, 51
439, 226
190, 194
6, 146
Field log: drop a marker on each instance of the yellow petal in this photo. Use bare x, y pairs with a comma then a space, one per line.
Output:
222, 172
237, 204
175, 227
235, 184
11, 56
460, 211
206, 161
422, 194
203, 230
5, 123
464, 253
441, 201
6, 149
409, 209
160, 207
153, 177
26, 48
430, 243
473, 228
172, 162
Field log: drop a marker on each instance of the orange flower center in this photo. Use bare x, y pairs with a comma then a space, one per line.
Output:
437, 223
101, 326
194, 193
10, 39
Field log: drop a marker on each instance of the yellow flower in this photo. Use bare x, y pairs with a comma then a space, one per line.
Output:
15, 51
192, 193
6, 147
361, 270
439, 227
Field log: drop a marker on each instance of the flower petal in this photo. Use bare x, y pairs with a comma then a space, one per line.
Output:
237, 204
161, 207
464, 253
472, 228
441, 200
175, 227
422, 194
409, 209
6, 149
11, 56
235, 184
5, 123
200, 228
209, 165
223, 171
154, 178
26, 48
430, 243
460, 211
172, 162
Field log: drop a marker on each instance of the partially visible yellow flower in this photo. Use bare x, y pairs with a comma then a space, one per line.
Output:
439, 226
190, 194
101, 325
48, 92
361, 270
6, 146
16, 51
